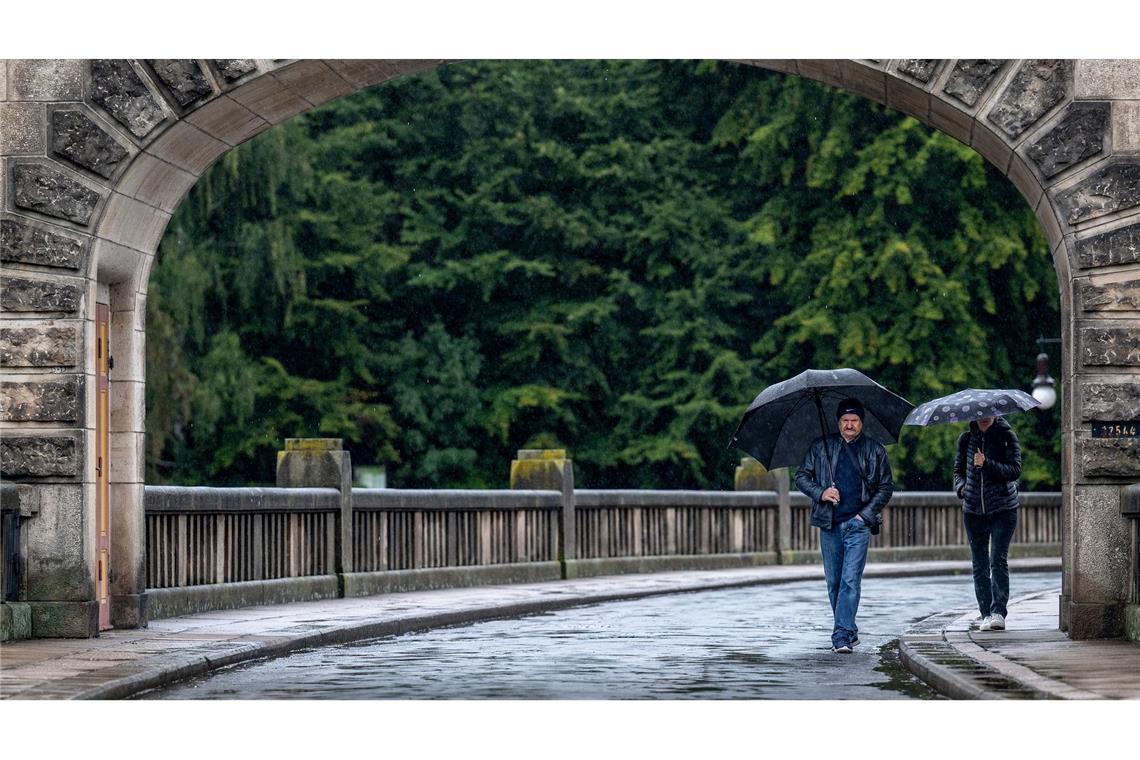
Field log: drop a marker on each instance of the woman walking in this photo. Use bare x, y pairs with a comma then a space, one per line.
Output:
986, 471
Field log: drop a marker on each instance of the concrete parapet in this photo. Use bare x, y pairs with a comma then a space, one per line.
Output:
322, 463
550, 470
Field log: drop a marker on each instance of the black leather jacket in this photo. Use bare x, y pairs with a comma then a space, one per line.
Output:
993, 486
814, 477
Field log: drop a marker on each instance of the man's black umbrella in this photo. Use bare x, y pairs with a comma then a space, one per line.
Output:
971, 404
780, 424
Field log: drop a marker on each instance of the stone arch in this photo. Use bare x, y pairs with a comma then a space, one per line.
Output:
97, 154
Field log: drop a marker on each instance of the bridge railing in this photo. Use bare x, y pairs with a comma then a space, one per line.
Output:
214, 548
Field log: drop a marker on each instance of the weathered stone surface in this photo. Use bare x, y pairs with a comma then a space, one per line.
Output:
184, 78
33, 401
80, 140
970, 79
47, 346
46, 79
40, 188
1121, 246
1111, 189
116, 87
1110, 346
1116, 296
1110, 457
921, 69
40, 456
21, 129
1110, 401
22, 294
1079, 135
24, 244
233, 69
1038, 86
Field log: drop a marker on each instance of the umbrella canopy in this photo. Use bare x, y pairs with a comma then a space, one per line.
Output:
780, 424
971, 404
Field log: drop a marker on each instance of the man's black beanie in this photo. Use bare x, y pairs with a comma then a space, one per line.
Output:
849, 406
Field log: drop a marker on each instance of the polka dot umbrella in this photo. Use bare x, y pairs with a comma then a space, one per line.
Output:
971, 404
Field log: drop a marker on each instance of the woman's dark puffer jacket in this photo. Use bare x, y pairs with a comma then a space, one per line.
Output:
993, 486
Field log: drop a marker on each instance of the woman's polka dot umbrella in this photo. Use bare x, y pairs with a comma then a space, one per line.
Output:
971, 404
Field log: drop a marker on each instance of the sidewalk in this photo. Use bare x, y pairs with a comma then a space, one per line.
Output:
123, 663
1031, 659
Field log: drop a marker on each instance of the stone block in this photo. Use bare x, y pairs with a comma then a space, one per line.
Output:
315, 466
970, 78
156, 182
22, 129
1107, 79
65, 620
128, 407
43, 401
992, 147
753, 476
118, 88
1108, 458
1108, 296
1113, 188
1078, 136
1120, 246
314, 81
1094, 621
78, 138
58, 565
1110, 346
864, 80
1103, 555
124, 267
269, 99
232, 69
1036, 88
1108, 401
48, 344
1025, 181
126, 455
45, 79
184, 80
540, 469
366, 73
25, 294
920, 69
228, 121
906, 97
1126, 126
133, 224
15, 621
46, 190
25, 242
188, 148
951, 119
41, 456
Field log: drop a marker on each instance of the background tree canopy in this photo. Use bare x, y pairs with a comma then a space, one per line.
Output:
613, 257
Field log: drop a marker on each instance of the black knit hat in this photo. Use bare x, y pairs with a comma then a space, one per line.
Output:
849, 406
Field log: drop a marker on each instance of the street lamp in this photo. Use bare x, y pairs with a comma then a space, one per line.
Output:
1044, 389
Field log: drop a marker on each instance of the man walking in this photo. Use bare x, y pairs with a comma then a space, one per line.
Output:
848, 478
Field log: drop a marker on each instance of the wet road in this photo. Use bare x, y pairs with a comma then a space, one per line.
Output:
762, 642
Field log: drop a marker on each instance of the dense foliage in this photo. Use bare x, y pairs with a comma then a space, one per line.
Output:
611, 257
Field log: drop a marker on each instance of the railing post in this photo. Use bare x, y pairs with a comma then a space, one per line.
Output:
550, 470
753, 476
322, 463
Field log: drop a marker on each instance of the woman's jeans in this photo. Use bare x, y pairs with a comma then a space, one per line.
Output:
844, 550
989, 537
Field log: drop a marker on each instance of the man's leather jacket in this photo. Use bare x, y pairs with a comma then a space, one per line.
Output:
815, 476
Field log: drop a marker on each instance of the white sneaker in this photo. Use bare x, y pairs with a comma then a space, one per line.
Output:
997, 623
987, 623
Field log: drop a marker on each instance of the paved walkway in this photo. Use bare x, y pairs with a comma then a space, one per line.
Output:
1031, 659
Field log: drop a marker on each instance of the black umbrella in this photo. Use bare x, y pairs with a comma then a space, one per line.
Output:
785, 418
971, 404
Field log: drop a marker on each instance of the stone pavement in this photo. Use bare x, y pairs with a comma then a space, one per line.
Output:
1032, 658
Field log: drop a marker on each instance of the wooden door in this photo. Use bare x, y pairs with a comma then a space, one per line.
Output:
102, 490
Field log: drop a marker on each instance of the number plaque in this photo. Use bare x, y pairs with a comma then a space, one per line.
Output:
1130, 429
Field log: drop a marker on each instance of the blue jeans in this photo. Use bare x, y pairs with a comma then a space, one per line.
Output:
989, 537
844, 550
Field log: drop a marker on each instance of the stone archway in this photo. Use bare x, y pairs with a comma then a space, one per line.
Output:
97, 154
